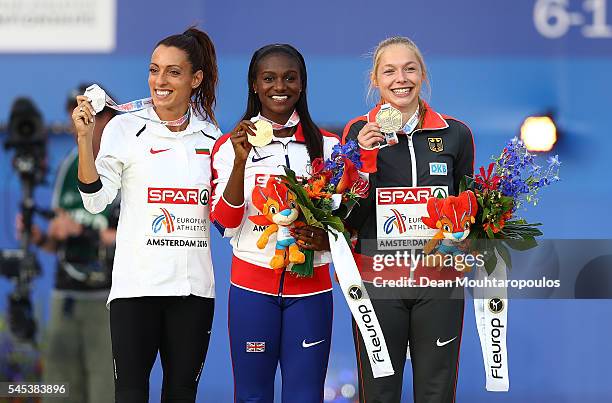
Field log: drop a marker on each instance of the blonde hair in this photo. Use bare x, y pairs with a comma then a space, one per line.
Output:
396, 40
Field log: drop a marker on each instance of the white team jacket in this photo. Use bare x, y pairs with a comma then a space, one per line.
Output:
233, 221
163, 236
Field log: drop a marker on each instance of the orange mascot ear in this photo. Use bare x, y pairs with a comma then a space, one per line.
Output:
260, 220
473, 203
468, 203
258, 197
434, 206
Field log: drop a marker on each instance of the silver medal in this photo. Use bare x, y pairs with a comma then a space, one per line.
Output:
97, 97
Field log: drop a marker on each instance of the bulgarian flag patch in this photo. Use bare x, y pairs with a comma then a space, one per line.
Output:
202, 151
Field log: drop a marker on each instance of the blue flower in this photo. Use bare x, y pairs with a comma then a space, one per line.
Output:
554, 161
521, 176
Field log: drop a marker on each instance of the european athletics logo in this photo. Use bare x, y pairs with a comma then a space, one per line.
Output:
165, 219
398, 220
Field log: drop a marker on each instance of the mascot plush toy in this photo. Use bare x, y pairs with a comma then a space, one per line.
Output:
453, 216
279, 211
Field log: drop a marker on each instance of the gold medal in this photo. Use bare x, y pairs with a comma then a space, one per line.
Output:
263, 135
389, 119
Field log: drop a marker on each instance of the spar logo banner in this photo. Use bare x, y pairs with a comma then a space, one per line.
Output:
58, 26
398, 215
177, 217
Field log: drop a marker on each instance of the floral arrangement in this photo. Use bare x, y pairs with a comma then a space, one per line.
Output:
329, 194
510, 182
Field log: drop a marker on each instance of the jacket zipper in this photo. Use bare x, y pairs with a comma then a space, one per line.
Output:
282, 279
414, 184
286, 147
413, 162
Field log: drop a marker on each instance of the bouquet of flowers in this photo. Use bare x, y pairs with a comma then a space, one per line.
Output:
329, 194
512, 180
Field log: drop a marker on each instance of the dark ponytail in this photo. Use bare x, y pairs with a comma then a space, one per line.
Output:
312, 134
202, 56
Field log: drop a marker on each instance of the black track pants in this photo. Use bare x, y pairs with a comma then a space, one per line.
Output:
177, 327
433, 323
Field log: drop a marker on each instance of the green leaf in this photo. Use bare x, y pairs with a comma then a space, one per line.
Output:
347, 236
310, 218
463, 184
345, 208
335, 223
521, 231
518, 221
305, 269
522, 244
490, 263
504, 253
469, 182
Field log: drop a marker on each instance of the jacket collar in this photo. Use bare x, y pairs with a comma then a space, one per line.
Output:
299, 134
195, 125
432, 120
297, 137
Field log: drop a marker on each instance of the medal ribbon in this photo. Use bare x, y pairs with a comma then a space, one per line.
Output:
492, 328
360, 305
411, 123
99, 97
294, 119
141, 104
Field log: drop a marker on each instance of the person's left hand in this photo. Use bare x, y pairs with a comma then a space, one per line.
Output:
311, 237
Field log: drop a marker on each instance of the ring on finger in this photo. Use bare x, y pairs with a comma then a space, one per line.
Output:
81, 109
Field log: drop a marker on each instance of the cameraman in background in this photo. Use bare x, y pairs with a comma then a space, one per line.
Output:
77, 343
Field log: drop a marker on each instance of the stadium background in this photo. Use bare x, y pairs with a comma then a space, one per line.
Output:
491, 64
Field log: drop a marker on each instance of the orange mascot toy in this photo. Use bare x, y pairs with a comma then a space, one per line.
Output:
279, 211
453, 216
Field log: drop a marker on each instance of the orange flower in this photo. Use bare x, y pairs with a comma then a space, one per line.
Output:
314, 189
493, 227
499, 226
349, 176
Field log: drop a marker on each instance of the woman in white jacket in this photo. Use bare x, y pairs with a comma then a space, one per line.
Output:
162, 294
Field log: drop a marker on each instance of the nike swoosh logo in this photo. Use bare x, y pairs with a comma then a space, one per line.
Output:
152, 151
254, 159
441, 344
306, 345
